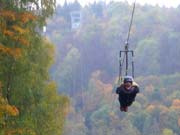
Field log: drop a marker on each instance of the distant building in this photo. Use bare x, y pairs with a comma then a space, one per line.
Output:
44, 29
30, 6
75, 19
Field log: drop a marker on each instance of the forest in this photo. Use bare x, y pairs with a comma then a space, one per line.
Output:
87, 65
62, 81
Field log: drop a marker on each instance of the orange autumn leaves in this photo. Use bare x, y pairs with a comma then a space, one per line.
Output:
19, 132
176, 104
6, 109
15, 52
14, 31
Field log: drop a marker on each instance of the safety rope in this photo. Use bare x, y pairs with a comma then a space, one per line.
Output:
121, 63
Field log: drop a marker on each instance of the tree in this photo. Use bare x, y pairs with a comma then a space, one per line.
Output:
147, 57
167, 132
24, 68
169, 53
68, 72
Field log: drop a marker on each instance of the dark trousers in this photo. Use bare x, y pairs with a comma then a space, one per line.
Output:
126, 100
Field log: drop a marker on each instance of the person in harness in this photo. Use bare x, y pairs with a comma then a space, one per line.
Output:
127, 93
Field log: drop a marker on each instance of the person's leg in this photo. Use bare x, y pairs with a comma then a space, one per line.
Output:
126, 109
123, 106
131, 99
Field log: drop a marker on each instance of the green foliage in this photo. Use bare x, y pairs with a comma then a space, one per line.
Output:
147, 56
139, 120
31, 104
87, 65
101, 114
68, 71
167, 132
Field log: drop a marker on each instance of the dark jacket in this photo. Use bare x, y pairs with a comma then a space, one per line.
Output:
127, 97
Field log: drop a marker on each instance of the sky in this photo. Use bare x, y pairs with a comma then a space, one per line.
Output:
166, 3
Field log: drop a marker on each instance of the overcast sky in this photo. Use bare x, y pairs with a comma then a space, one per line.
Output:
167, 3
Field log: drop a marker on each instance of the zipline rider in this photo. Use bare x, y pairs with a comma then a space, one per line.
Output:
127, 93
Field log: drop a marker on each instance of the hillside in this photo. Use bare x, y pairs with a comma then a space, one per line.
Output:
87, 66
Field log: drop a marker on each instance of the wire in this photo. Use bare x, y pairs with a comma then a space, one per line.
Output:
132, 17
121, 63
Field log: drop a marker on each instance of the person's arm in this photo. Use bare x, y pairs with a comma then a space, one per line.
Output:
136, 86
136, 89
117, 90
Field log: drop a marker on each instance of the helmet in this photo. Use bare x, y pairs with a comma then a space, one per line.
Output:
128, 79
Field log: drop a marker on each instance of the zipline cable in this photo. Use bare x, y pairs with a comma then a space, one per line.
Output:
131, 21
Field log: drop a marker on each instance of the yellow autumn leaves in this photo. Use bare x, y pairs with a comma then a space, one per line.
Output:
16, 52
19, 132
23, 17
14, 31
6, 109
